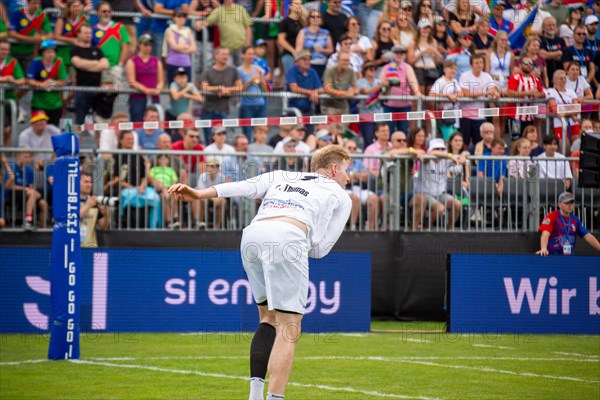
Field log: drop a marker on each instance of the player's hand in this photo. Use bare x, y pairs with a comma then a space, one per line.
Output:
182, 192
542, 252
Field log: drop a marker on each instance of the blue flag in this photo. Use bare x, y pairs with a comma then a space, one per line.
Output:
519, 34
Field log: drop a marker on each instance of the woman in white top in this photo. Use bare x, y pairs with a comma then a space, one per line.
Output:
448, 88
520, 168
360, 43
424, 56
499, 64
574, 20
403, 33
560, 95
578, 83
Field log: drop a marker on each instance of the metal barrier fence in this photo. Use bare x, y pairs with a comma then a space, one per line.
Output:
394, 200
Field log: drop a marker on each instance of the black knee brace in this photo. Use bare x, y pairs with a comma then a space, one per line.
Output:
260, 350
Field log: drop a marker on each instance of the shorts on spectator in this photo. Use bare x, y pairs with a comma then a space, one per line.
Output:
441, 199
362, 194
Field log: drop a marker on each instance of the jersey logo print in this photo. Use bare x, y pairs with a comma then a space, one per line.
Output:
309, 178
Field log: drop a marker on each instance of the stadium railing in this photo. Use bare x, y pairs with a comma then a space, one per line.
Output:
517, 208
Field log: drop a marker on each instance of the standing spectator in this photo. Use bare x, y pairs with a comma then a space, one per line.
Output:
497, 21
461, 54
382, 44
463, 18
112, 38
519, 169
29, 26
146, 7
557, 10
10, 72
447, 87
560, 228
222, 81
89, 62
92, 215
358, 176
424, 56
523, 85
158, 26
218, 149
190, 142
47, 72
303, 79
482, 40
554, 169
371, 86
144, 74
552, 46
289, 28
19, 178
369, 13
424, 10
126, 6
499, 64
399, 79
39, 136
344, 46
391, 9
444, 41
579, 53
204, 49
317, 40
253, 83
260, 52
475, 83
567, 28
559, 94
592, 43
67, 28
180, 45
403, 33
360, 43
182, 91
334, 20
339, 82
148, 138
235, 28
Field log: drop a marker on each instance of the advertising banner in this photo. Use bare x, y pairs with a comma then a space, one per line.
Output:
131, 290
523, 294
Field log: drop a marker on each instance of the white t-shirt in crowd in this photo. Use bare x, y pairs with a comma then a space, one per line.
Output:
555, 169
477, 85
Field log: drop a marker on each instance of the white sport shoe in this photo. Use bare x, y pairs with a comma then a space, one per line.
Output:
21, 115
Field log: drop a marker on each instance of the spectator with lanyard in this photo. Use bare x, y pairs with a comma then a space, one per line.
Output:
580, 54
561, 227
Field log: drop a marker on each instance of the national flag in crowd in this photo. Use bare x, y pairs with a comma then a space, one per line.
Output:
521, 31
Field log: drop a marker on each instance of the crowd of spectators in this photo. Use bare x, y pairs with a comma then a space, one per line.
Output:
390, 47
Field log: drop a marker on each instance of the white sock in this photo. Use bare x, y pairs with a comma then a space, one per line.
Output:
271, 396
257, 387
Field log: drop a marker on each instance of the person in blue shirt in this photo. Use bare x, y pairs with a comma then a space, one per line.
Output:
19, 190
495, 169
303, 79
260, 49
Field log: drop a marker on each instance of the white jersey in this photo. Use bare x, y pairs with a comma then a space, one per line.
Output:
317, 201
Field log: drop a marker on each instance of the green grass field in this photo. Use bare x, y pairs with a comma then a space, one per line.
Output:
397, 360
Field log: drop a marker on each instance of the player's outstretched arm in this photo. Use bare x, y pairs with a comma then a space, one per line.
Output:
186, 193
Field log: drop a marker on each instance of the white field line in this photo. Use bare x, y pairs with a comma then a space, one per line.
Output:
223, 376
23, 362
465, 367
576, 354
492, 347
414, 340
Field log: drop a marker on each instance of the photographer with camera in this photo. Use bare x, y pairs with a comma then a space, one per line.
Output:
94, 214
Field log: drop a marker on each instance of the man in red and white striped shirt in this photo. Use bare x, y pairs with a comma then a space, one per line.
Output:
523, 85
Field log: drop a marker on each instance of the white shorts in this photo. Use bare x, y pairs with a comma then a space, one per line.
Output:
362, 194
275, 258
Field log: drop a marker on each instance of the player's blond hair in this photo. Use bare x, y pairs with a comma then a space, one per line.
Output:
323, 158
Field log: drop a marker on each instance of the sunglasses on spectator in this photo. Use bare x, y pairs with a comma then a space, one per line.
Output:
580, 34
400, 140
468, 37
527, 63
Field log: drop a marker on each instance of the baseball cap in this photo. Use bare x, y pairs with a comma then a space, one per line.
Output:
218, 129
213, 161
38, 116
500, 3
299, 127
179, 11
424, 23
48, 44
405, 4
398, 49
566, 197
435, 144
590, 19
323, 133
260, 42
145, 38
301, 54
180, 71
465, 34
289, 140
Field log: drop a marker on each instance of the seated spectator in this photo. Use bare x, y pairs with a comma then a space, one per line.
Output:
29, 26
566, 29
482, 40
403, 32
162, 177
360, 43
144, 74
113, 39
456, 146
399, 79
211, 177
344, 45
253, 82
179, 133
495, 169
240, 167
317, 40
39, 136
92, 214
463, 18
461, 53
283, 131
559, 94
182, 91
578, 83
10, 72
297, 132
303, 79
380, 146
47, 72
382, 44
430, 198
323, 138
19, 189
109, 138
148, 138
218, 149
530, 133
371, 86
520, 169
291, 163
340, 84
190, 142
89, 62
223, 81
259, 145
180, 44
175, 161
441, 35
417, 139
475, 83
555, 168
361, 197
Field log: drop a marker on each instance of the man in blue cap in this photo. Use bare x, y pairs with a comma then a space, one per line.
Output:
560, 227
